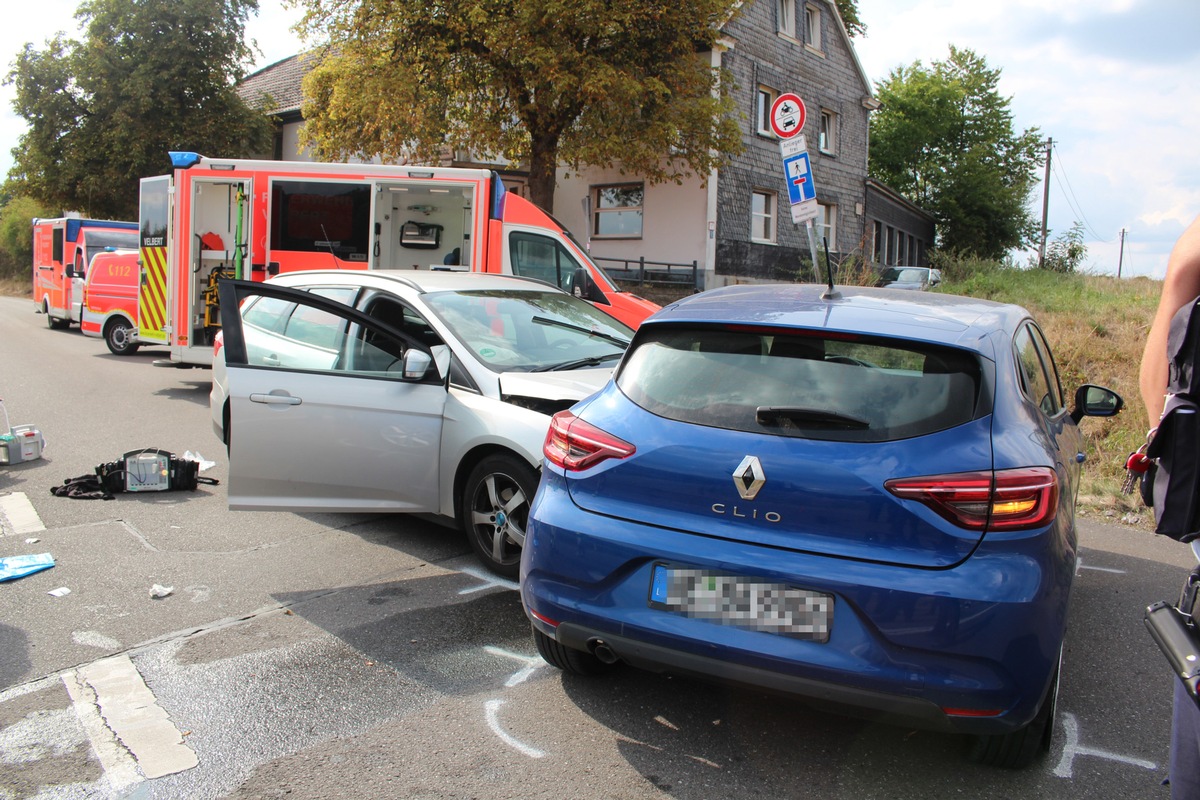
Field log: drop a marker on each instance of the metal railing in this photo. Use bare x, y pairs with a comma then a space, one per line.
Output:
652, 273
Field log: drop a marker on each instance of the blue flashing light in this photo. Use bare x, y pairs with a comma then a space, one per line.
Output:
183, 160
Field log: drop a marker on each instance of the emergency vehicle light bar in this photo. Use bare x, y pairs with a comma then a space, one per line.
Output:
183, 160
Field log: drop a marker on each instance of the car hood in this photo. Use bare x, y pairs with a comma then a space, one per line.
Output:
570, 385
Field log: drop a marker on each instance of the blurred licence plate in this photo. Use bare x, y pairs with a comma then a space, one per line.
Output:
742, 602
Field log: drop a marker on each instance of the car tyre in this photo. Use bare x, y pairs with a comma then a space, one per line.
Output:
495, 511
1022, 747
569, 660
118, 335
54, 322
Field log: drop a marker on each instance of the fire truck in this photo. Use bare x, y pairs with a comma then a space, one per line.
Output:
62, 249
214, 218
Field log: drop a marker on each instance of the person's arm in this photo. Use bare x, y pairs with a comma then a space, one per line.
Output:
1180, 286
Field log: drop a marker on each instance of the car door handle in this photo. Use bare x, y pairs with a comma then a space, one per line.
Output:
270, 361
275, 399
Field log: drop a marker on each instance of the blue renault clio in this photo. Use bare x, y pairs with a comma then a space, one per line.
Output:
864, 497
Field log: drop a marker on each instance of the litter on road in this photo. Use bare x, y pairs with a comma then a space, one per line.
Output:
13, 567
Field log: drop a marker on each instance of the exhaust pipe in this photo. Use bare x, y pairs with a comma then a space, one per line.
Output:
600, 649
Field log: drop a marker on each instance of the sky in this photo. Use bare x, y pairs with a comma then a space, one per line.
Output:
1112, 82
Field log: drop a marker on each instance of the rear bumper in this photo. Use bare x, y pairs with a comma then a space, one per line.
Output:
980, 640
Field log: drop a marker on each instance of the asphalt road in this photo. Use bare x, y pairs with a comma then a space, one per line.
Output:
328, 656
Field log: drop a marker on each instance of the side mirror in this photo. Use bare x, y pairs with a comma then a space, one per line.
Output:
416, 363
69, 271
1096, 401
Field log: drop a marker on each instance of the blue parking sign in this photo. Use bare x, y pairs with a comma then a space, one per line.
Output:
797, 171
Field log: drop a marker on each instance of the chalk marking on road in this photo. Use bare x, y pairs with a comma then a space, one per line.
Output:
1072, 748
120, 770
132, 713
200, 594
532, 665
488, 581
1080, 565
490, 709
19, 515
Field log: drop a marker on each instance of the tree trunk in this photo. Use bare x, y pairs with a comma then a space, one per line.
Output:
543, 166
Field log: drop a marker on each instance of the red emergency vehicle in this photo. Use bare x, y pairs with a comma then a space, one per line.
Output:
214, 218
110, 296
62, 249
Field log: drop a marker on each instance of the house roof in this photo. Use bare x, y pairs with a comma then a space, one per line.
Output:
280, 82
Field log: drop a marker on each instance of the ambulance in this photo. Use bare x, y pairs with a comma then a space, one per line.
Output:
110, 296
215, 218
62, 249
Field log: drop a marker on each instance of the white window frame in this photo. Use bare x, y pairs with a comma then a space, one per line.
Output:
785, 11
826, 224
764, 98
598, 211
827, 136
812, 28
763, 223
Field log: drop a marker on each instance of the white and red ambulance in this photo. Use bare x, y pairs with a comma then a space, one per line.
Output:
62, 249
250, 219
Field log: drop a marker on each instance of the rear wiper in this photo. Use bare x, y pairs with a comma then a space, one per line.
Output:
590, 361
617, 340
808, 418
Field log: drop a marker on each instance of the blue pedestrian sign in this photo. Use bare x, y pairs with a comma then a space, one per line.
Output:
797, 170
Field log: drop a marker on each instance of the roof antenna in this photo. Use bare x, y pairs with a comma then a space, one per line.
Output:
831, 293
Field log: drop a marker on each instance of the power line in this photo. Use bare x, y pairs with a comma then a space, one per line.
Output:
1076, 206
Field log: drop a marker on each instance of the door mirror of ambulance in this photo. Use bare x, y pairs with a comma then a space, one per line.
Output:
416, 364
1096, 401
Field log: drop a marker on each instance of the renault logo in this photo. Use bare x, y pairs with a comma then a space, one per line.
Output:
749, 477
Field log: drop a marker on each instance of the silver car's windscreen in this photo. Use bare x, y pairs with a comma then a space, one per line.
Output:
809, 384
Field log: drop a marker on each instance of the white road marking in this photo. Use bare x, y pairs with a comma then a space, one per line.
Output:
1080, 565
19, 515
490, 709
131, 711
1072, 749
95, 639
120, 770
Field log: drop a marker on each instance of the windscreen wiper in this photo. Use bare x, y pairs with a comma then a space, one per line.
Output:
590, 361
617, 340
790, 417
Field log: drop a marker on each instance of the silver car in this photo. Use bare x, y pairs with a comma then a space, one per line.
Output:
403, 392
916, 278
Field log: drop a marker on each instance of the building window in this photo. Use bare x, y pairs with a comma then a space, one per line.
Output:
765, 98
827, 225
787, 17
878, 242
812, 27
618, 211
762, 217
827, 139
912, 252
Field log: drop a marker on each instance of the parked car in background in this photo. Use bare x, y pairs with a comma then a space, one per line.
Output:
866, 500
917, 278
403, 392
110, 297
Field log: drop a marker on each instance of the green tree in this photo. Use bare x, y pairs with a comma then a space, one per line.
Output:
16, 234
147, 77
848, 9
537, 82
1067, 251
944, 139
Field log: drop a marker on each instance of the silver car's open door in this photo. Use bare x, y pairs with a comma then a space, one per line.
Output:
330, 410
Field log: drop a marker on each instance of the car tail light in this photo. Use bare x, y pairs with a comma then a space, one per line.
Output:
576, 445
218, 343
1011, 499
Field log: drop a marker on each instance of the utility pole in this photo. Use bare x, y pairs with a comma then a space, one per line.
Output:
1045, 205
1121, 256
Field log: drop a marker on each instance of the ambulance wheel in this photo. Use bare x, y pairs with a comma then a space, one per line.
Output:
54, 322
118, 335
495, 511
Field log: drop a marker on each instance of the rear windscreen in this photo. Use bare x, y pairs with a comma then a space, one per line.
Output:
815, 385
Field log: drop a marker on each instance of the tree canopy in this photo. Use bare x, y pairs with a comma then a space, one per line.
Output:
537, 82
147, 77
944, 139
